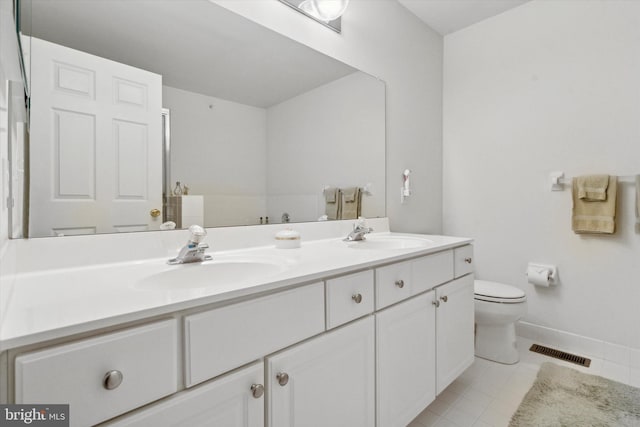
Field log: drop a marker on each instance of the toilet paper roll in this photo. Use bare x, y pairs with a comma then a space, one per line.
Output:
539, 276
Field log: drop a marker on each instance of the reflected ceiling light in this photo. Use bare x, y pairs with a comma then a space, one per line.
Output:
324, 10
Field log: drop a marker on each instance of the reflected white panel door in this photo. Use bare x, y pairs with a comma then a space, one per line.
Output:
96, 145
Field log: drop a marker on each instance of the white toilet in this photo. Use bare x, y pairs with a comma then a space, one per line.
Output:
497, 309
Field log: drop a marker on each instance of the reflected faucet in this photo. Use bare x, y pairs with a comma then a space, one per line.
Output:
194, 250
286, 217
359, 230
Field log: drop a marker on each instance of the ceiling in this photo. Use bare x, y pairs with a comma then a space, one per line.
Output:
194, 44
447, 16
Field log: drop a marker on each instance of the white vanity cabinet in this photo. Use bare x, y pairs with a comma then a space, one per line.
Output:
406, 359
454, 330
373, 346
425, 342
234, 400
326, 381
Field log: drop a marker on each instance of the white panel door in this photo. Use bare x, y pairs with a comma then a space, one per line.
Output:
96, 145
330, 380
234, 400
406, 359
454, 329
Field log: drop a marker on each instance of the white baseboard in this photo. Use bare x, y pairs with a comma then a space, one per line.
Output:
584, 346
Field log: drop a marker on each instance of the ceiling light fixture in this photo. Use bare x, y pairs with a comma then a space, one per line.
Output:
326, 12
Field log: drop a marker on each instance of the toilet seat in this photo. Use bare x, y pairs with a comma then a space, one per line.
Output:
498, 292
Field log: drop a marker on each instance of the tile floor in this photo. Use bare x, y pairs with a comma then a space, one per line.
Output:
488, 393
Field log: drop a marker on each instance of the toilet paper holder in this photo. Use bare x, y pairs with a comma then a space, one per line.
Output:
545, 271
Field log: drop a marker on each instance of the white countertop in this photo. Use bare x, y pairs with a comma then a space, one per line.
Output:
55, 303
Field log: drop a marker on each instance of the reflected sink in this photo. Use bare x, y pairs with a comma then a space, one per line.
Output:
217, 272
374, 242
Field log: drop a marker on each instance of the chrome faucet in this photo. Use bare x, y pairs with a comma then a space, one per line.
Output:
194, 250
359, 230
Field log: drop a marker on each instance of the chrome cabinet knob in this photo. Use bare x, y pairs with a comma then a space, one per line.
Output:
257, 390
468, 260
436, 303
283, 378
112, 379
400, 283
444, 298
357, 298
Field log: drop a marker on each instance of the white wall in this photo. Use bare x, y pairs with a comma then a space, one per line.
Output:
332, 135
384, 39
205, 133
547, 86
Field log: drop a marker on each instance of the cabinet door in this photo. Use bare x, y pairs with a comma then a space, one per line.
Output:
229, 401
406, 356
329, 380
455, 323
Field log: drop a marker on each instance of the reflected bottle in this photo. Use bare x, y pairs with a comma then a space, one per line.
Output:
178, 190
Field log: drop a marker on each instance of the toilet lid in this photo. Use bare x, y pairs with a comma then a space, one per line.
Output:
497, 292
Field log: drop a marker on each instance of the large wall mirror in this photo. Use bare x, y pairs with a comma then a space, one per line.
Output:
128, 98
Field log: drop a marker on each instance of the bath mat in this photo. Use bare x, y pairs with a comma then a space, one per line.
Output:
566, 397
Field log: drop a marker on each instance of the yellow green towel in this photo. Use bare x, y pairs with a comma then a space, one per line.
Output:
333, 203
351, 203
595, 217
592, 187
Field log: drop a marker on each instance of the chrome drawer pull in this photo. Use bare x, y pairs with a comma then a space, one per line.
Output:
357, 298
112, 379
257, 390
400, 283
283, 378
444, 298
468, 260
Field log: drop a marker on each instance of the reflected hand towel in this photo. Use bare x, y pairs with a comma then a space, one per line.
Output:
332, 198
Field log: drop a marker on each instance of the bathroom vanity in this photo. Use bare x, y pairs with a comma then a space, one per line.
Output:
337, 333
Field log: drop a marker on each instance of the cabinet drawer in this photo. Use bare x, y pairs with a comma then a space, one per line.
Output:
431, 271
146, 357
349, 297
228, 401
393, 283
463, 260
220, 340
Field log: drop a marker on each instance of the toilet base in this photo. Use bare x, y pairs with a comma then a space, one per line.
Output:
497, 342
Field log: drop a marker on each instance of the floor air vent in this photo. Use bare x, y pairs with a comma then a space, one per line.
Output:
552, 352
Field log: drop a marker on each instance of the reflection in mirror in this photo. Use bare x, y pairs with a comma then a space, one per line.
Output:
253, 125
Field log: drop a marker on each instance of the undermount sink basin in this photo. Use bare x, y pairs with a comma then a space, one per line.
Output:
211, 273
374, 242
